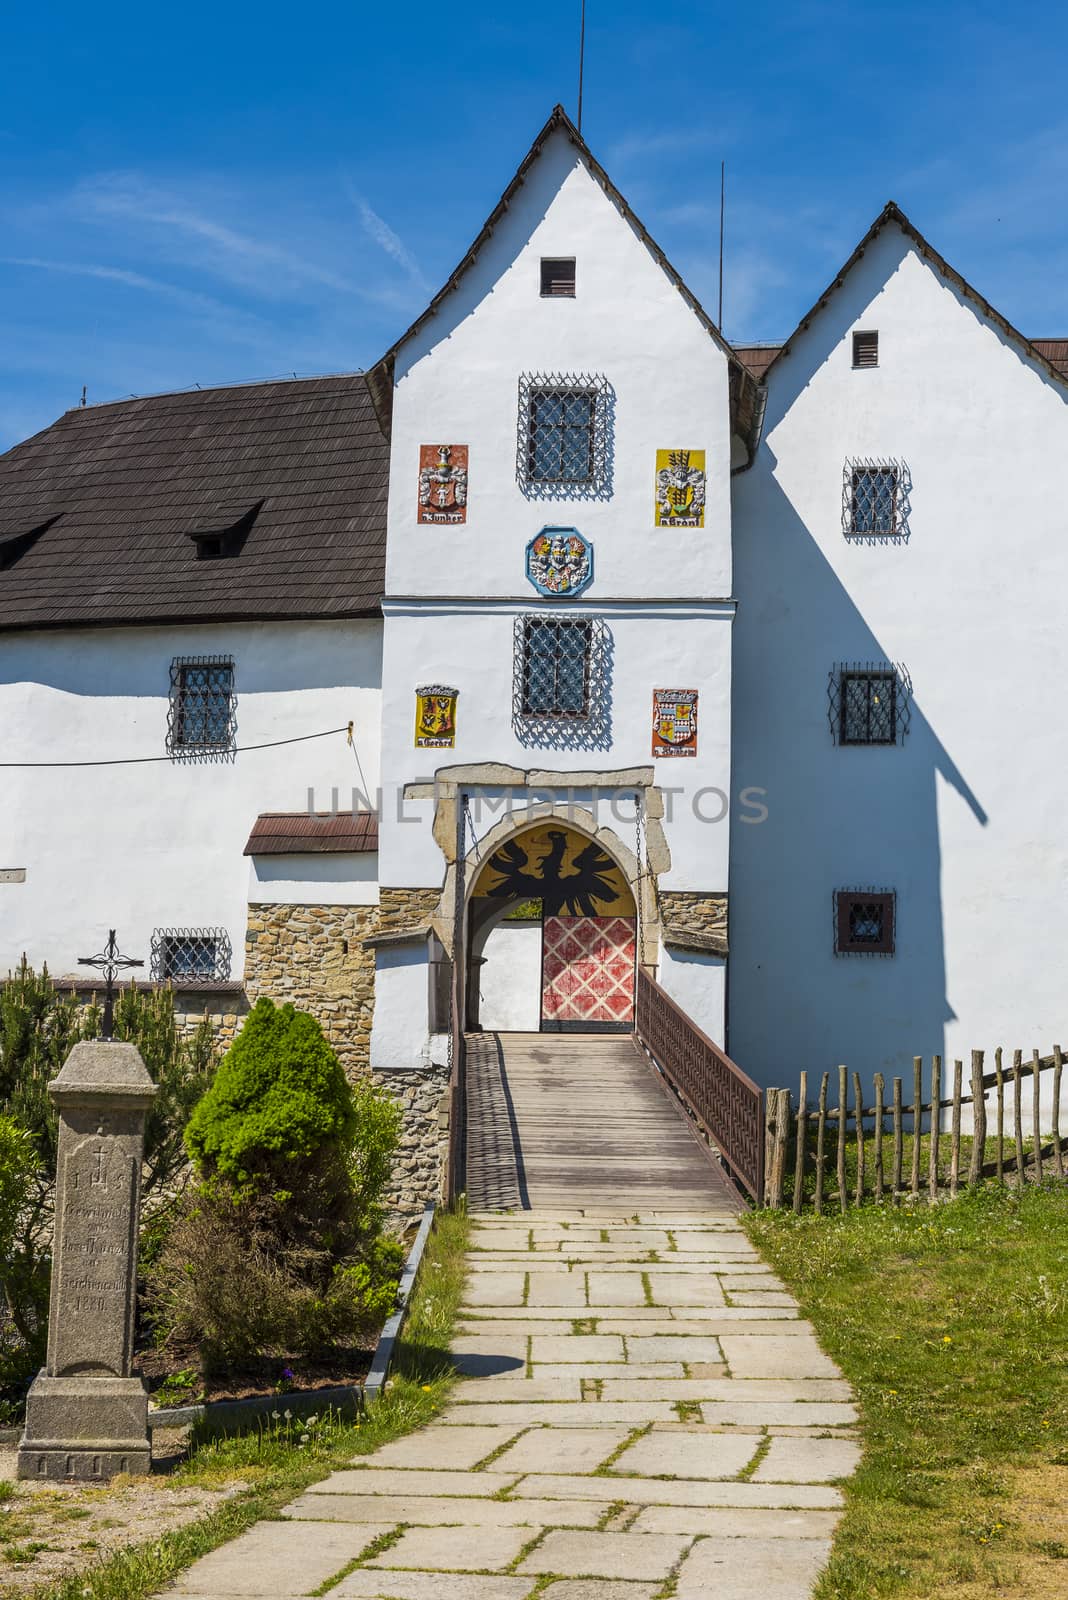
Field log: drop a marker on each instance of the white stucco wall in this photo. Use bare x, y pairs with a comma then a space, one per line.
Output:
160, 844
457, 382
342, 879
965, 820
399, 1039
698, 983
509, 979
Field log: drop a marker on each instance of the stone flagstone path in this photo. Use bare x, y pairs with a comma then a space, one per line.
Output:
642, 1415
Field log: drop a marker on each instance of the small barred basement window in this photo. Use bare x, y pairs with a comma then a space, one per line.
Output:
190, 955
864, 922
556, 667
563, 434
869, 702
202, 719
557, 276
872, 500
866, 349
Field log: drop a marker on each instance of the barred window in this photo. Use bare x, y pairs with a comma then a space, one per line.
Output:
563, 434
190, 955
870, 703
556, 667
874, 500
201, 722
864, 922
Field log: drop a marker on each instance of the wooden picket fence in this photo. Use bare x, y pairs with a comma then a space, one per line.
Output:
878, 1150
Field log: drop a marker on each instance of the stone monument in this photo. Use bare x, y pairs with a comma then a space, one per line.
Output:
86, 1416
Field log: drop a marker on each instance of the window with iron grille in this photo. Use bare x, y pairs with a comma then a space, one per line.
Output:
875, 500
561, 693
866, 349
557, 276
190, 955
564, 425
869, 703
202, 719
864, 922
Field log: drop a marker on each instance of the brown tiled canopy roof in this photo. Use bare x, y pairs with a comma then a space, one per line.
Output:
284, 833
1055, 352
757, 358
100, 514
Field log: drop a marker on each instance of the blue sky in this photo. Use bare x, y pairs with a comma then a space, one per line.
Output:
209, 193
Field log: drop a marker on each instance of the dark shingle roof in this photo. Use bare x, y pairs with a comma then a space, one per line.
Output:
279, 833
122, 487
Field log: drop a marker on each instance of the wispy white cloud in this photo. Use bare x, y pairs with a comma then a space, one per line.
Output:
189, 298
229, 252
380, 233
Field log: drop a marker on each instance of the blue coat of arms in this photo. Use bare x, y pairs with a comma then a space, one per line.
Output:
559, 562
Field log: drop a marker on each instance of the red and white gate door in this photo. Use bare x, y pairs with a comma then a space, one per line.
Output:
588, 971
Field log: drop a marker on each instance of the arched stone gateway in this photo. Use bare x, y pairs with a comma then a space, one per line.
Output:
552, 934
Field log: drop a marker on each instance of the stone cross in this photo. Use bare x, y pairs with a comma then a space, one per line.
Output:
86, 1416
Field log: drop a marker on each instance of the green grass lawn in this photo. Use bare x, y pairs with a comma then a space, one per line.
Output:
275, 1464
951, 1322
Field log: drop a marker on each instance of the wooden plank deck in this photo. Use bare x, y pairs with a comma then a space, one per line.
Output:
572, 1121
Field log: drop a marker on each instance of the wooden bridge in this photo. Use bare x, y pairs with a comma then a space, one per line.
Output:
576, 1121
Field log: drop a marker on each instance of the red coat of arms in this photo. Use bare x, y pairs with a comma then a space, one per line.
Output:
443, 483
674, 722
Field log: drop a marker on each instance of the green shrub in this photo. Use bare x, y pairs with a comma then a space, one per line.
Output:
279, 1100
280, 1250
24, 1271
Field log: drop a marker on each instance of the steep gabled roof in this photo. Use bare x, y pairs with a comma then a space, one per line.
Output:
745, 400
892, 213
104, 514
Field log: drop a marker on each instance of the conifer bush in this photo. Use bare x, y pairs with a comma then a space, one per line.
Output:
279, 1250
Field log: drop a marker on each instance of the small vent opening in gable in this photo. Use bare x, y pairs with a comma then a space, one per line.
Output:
558, 276
866, 349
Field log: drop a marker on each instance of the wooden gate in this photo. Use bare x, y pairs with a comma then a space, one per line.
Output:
587, 974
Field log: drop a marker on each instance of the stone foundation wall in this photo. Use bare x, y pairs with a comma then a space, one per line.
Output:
702, 916
225, 1012
315, 956
419, 1168
401, 910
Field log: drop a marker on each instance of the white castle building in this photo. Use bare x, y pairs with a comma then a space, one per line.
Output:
729, 663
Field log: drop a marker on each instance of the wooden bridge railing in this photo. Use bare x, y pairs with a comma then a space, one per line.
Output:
727, 1106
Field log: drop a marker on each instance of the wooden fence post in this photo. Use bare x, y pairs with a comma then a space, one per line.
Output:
1017, 1114
802, 1134
859, 1098
1058, 1158
1036, 1113
975, 1165
954, 1132
898, 1142
877, 1153
999, 1157
821, 1134
778, 1137
936, 1126
843, 1122
917, 1122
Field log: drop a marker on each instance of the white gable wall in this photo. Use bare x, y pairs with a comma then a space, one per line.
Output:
964, 821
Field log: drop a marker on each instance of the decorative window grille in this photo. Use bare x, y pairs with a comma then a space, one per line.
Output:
864, 922
202, 719
561, 691
557, 276
866, 349
564, 428
875, 500
869, 702
190, 955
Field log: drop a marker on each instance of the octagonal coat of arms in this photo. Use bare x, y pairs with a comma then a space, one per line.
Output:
559, 562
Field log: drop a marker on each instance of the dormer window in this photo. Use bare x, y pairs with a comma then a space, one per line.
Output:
866, 349
222, 530
558, 277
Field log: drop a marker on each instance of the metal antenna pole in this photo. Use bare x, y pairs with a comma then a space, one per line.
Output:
582, 60
722, 194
